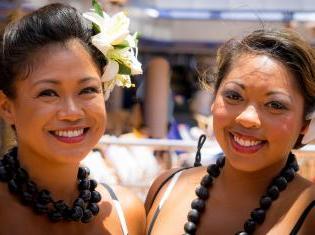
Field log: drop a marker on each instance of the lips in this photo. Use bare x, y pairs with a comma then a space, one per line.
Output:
73, 135
246, 144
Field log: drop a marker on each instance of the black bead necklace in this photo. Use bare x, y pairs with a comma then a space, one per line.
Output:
257, 216
19, 184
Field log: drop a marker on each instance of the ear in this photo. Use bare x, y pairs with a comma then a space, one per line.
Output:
6, 109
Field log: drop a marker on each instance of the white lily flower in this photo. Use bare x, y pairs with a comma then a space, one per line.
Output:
113, 29
110, 71
119, 48
124, 81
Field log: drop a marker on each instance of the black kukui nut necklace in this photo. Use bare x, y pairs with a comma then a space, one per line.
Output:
257, 216
19, 184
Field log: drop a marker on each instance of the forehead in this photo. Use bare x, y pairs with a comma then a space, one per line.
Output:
261, 71
60, 61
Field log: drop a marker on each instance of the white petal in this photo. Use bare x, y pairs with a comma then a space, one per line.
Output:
103, 23
101, 42
310, 133
111, 70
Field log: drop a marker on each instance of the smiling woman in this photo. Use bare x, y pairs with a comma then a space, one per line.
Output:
264, 92
52, 95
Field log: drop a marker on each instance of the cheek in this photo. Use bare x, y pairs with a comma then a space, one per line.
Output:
284, 127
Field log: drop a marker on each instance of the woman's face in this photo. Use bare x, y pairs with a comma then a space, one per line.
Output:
257, 113
59, 110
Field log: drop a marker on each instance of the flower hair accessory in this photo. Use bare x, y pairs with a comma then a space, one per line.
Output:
310, 133
118, 46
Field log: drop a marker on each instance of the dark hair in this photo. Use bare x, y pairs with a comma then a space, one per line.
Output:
22, 39
283, 45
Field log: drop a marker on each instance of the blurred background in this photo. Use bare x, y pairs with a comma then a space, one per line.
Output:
155, 126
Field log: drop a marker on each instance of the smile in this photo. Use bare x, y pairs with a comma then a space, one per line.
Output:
244, 144
72, 133
70, 136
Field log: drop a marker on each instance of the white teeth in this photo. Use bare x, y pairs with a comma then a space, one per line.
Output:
246, 143
73, 133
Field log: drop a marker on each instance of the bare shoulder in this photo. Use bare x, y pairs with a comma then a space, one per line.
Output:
160, 184
301, 215
133, 209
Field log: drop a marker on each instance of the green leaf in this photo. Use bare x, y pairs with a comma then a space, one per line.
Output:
97, 7
123, 69
122, 45
96, 28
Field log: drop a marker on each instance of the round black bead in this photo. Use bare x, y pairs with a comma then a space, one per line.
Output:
95, 197
26, 198
60, 206
84, 184
273, 192
87, 216
93, 184
265, 202
289, 174
83, 172
3, 174
281, 183
294, 165
79, 202
198, 204
21, 175
258, 215
94, 208
213, 170
249, 226
207, 181
193, 216
13, 186
85, 195
40, 208
190, 227
220, 162
55, 216
10, 160
76, 213
31, 187
202, 192
44, 197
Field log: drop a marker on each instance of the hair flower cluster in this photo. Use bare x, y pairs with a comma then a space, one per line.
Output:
119, 47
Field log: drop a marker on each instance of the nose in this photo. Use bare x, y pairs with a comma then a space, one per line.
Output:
70, 110
249, 117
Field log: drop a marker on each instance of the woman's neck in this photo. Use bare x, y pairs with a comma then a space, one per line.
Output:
58, 178
250, 183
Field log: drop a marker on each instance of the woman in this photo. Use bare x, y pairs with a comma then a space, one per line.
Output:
52, 97
265, 87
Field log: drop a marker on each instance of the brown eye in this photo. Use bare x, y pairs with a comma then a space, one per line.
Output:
90, 90
276, 106
48, 93
232, 96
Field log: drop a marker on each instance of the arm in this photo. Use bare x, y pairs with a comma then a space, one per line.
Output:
133, 211
306, 222
156, 187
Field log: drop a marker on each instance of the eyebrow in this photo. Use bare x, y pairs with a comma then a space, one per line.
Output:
57, 82
275, 92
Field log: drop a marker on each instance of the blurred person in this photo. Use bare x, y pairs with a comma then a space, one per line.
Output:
264, 97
